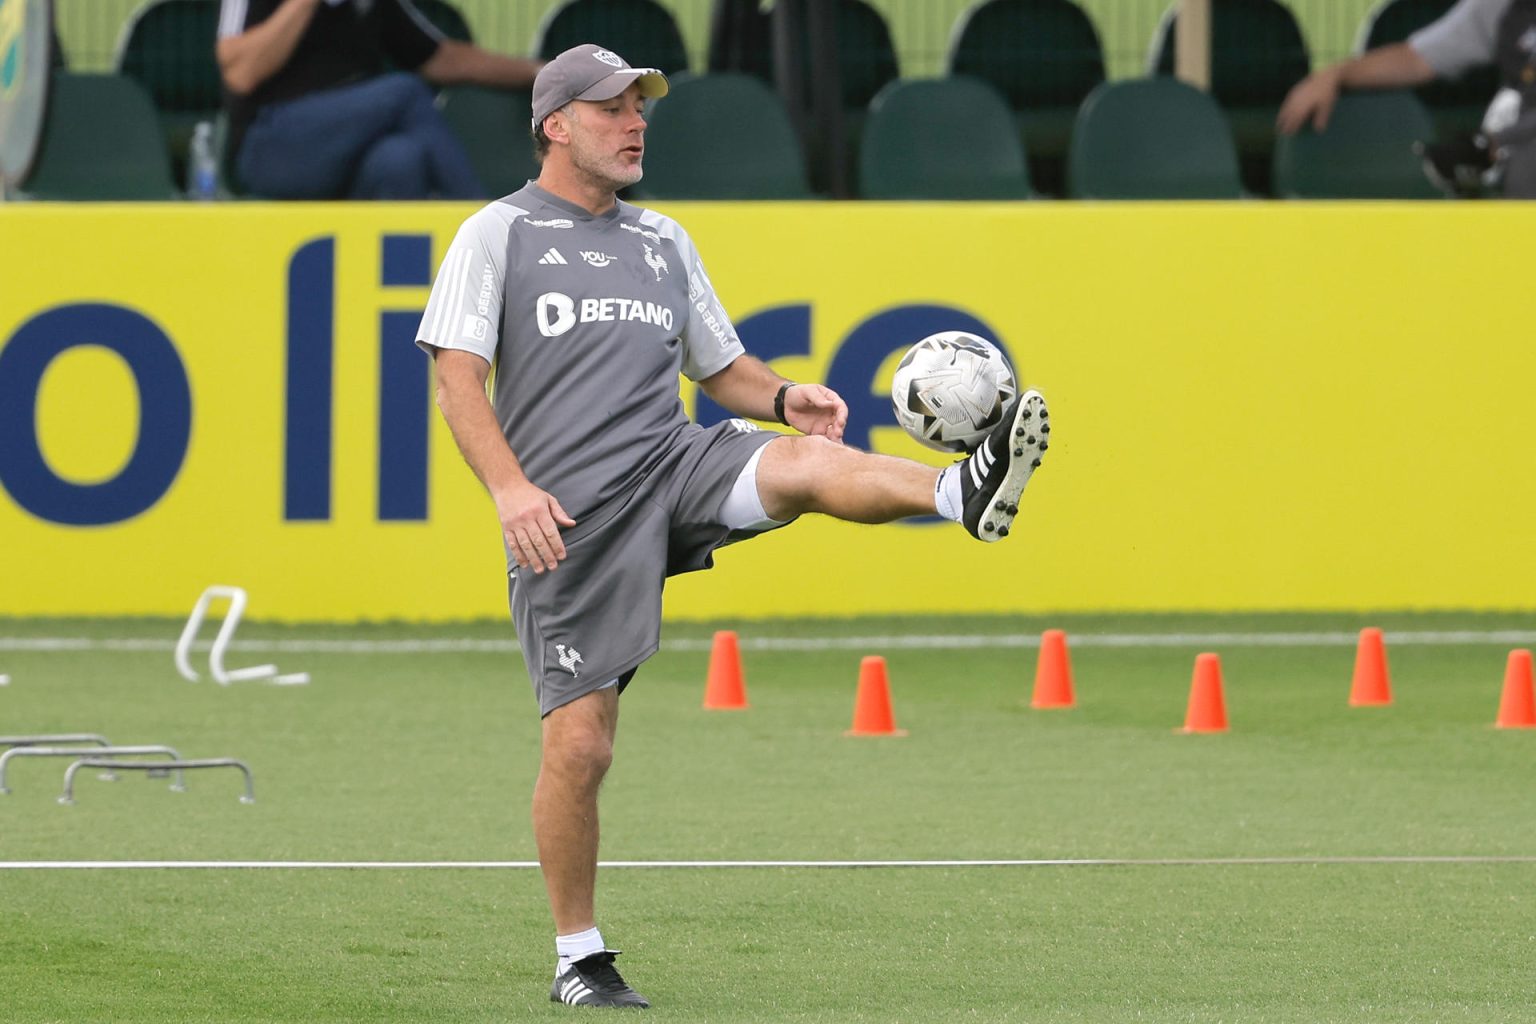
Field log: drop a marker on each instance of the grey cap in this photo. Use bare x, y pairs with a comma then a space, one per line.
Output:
589, 72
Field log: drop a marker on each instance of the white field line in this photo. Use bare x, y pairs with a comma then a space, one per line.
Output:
529, 865
466, 645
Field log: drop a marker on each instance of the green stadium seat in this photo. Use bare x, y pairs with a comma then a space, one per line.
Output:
947, 138
101, 140
1457, 106
866, 63
1151, 138
722, 136
1045, 57
493, 125
167, 46
1257, 54
1366, 152
446, 18
641, 31
866, 54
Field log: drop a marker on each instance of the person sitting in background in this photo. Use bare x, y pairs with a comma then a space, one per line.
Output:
1501, 32
315, 114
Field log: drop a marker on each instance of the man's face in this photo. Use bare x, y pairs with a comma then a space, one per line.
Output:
608, 138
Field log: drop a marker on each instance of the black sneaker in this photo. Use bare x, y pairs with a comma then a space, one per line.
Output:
593, 981
994, 475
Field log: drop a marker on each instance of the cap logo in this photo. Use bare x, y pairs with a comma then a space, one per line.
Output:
610, 58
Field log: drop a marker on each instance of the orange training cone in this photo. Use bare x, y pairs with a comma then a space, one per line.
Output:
1207, 707
1053, 673
725, 689
1517, 708
872, 714
1372, 684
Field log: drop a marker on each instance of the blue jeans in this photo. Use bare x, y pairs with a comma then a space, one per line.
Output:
378, 139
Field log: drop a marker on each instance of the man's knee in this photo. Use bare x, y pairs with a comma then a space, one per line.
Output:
401, 89
395, 167
795, 468
580, 756
578, 738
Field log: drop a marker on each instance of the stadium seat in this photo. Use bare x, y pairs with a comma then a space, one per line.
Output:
740, 39
866, 63
1456, 107
493, 125
947, 138
446, 18
866, 55
1151, 138
1257, 54
642, 31
167, 46
723, 136
1366, 153
101, 140
1044, 56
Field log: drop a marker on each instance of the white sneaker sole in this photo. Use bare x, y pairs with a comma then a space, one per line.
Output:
1031, 437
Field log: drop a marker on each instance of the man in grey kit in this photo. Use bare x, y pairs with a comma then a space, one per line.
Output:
588, 308
1473, 32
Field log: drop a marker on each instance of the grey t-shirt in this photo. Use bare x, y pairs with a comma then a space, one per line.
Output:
588, 320
1462, 39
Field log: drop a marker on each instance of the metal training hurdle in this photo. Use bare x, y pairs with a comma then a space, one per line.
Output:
221, 675
68, 796
179, 785
55, 739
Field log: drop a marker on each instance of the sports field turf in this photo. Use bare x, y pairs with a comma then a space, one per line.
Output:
1319, 898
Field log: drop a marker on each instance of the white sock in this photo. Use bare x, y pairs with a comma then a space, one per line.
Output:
946, 493
570, 948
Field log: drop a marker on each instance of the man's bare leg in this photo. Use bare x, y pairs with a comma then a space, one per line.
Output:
577, 750
811, 474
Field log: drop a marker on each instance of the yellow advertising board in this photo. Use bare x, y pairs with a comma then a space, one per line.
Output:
1257, 406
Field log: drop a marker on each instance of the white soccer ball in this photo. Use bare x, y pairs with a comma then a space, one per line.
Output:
951, 389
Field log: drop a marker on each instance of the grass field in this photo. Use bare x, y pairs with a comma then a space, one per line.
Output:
1310, 887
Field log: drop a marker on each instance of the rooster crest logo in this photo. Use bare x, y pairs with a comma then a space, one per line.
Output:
570, 657
656, 261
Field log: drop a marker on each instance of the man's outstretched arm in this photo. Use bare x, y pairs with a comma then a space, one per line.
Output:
747, 387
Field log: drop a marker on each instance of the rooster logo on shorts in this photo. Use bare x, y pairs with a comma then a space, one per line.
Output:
570, 657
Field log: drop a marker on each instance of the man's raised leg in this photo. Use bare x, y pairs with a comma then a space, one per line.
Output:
811, 474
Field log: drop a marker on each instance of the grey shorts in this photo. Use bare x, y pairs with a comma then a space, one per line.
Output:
598, 616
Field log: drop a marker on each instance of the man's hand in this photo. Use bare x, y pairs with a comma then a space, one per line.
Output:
1312, 99
530, 520
816, 409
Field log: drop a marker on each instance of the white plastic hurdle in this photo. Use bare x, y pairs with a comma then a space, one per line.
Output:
221, 675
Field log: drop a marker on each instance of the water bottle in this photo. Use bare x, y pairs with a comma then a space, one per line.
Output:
202, 164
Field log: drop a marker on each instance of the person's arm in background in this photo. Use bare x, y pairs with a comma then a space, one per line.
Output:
256, 54
1460, 39
1395, 66
455, 62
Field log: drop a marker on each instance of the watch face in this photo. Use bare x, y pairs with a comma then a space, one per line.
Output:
24, 70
